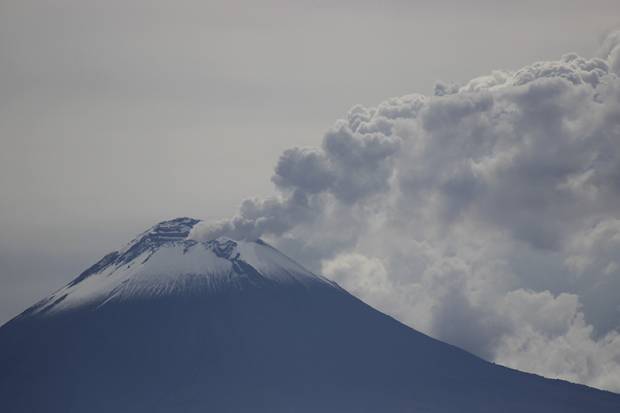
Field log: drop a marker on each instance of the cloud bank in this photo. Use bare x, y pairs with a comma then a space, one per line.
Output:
486, 215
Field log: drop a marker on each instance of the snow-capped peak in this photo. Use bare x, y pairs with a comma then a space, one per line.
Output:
162, 261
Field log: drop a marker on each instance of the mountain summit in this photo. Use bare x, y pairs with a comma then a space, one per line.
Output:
163, 262
168, 324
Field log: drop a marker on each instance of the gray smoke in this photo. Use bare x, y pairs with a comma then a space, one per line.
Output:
487, 215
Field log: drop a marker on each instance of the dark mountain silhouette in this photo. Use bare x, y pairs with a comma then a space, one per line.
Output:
169, 324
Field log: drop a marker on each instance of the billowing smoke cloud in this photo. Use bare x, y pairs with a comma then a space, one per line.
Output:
610, 51
487, 215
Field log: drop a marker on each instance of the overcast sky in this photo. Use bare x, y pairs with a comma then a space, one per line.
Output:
116, 115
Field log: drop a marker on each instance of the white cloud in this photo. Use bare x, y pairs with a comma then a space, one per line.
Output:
486, 215
610, 50
361, 275
551, 337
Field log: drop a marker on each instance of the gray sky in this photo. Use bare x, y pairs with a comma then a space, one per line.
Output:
116, 115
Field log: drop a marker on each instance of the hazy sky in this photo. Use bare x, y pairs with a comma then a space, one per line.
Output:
116, 115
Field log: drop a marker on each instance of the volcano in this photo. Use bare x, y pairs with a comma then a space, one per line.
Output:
170, 324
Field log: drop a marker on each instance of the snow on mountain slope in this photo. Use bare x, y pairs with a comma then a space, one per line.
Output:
162, 261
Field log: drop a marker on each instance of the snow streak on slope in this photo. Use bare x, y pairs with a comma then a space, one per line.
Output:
162, 261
